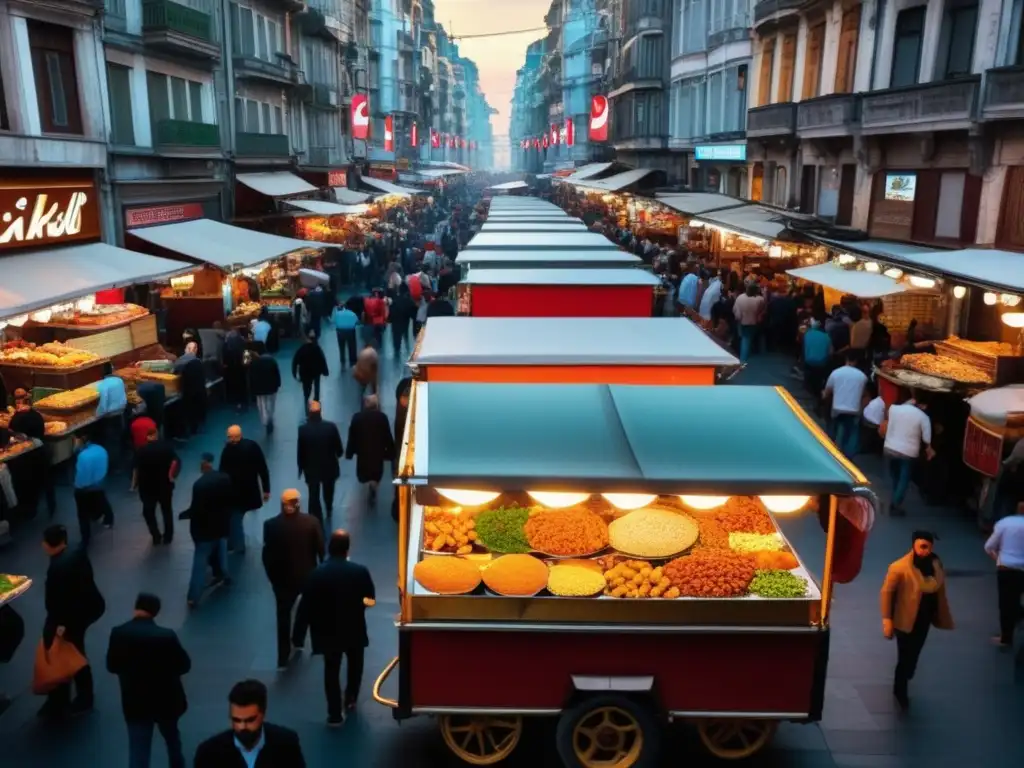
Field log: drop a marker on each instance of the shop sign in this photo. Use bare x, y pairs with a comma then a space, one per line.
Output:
598, 118
389, 134
39, 215
360, 116
162, 214
983, 449
728, 152
337, 178
386, 174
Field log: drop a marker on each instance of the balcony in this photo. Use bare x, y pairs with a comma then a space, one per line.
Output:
824, 116
115, 16
274, 145
632, 79
772, 120
318, 96
178, 29
765, 10
281, 71
406, 44
944, 106
182, 133
1004, 94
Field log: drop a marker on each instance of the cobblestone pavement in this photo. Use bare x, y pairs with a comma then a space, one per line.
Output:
967, 709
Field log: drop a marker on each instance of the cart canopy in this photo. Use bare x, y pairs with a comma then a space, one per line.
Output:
527, 216
616, 183
509, 185
588, 171
324, 208
696, 203
277, 184
546, 240
599, 438
224, 246
481, 257
566, 277
864, 285
551, 225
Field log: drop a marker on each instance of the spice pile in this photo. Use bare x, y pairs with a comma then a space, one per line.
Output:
744, 514
566, 532
501, 530
778, 584
575, 580
445, 532
711, 573
775, 561
516, 575
637, 578
447, 575
712, 535
755, 542
653, 533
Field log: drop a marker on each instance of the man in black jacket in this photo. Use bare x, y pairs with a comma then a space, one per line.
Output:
243, 461
213, 506
193, 388
293, 545
319, 453
149, 661
333, 607
273, 745
73, 604
371, 443
35, 467
265, 381
156, 467
308, 365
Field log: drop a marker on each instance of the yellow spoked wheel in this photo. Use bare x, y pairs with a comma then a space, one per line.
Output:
481, 739
608, 737
732, 739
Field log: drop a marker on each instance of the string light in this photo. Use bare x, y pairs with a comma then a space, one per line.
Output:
959, 292
991, 299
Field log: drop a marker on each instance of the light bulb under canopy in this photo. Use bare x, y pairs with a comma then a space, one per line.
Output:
784, 504
1013, 319
894, 273
847, 258
704, 502
17, 321
1009, 300
558, 499
872, 266
991, 298
42, 316
629, 500
921, 282
959, 291
469, 498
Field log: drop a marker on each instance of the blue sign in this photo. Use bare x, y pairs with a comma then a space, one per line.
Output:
733, 152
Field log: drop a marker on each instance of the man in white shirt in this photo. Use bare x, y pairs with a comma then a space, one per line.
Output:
907, 428
871, 419
845, 386
1006, 547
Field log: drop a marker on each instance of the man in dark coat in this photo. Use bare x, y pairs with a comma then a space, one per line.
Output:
193, 388
33, 481
370, 441
149, 661
293, 546
251, 742
308, 365
265, 381
333, 607
402, 392
243, 461
234, 369
73, 604
440, 307
210, 515
156, 467
319, 452
401, 314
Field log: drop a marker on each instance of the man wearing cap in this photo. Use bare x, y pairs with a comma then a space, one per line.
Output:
209, 524
319, 453
243, 461
293, 546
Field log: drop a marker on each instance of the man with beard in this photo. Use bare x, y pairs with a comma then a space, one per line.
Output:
243, 461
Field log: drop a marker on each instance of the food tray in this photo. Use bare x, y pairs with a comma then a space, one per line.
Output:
84, 402
18, 449
18, 591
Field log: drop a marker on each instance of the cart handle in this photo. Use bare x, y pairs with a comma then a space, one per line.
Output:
378, 684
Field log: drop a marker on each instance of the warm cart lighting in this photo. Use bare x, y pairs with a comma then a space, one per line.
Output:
783, 504
1013, 319
17, 321
872, 266
894, 273
991, 299
629, 500
42, 316
1009, 300
694, 224
469, 498
846, 258
775, 252
921, 282
959, 292
558, 500
3, 324
183, 283
704, 502
86, 304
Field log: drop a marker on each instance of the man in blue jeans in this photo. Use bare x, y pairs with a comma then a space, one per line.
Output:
845, 386
906, 429
209, 523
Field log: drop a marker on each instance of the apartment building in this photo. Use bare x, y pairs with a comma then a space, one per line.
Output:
529, 110
711, 57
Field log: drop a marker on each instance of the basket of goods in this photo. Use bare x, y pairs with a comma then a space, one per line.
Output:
566, 532
516, 575
70, 400
51, 355
447, 533
447, 575
648, 532
711, 573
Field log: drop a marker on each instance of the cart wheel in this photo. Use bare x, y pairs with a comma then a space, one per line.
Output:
732, 739
609, 732
480, 739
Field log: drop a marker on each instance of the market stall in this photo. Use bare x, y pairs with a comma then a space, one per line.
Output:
554, 226
549, 241
554, 526
541, 259
995, 425
557, 292
509, 187
567, 350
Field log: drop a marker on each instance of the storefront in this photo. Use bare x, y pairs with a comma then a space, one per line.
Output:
720, 168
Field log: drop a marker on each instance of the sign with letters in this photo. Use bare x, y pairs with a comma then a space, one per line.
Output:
162, 214
48, 213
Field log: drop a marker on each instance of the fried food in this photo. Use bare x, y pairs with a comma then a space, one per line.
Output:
638, 578
653, 532
946, 368
55, 427
70, 400
575, 581
744, 514
516, 575
51, 355
444, 531
712, 535
755, 542
775, 561
711, 573
566, 532
990, 348
447, 575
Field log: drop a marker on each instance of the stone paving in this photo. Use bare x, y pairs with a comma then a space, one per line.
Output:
967, 709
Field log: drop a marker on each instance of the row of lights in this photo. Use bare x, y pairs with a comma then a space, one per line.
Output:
85, 304
623, 501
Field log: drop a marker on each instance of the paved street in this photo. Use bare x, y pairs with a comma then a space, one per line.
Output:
966, 708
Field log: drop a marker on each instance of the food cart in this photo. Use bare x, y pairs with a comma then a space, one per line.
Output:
548, 241
471, 258
571, 543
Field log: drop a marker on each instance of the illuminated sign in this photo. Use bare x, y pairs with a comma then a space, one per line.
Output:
36, 215
729, 152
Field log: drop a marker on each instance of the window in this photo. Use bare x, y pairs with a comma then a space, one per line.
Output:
253, 116
951, 196
734, 104
728, 14
764, 85
649, 56
53, 64
255, 34
119, 91
812, 61
195, 99
906, 57
715, 99
693, 34
956, 41
174, 98
786, 68
846, 64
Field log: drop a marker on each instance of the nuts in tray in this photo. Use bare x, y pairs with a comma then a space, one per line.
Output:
946, 368
637, 578
446, 532
70, 400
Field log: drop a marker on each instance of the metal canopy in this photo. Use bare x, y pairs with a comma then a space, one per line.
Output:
585, 437
548, 241
562, 276
481, 257
557, 225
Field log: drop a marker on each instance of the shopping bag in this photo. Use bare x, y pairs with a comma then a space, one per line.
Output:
56, 665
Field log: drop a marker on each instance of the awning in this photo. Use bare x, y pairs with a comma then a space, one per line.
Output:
988, 268
510, 185
548, 241
350, 196
391, 189
222, 245
752, 220
541, 258
279, 184
587, 172
568, 277
440, 173
568, 225
694, 203
864, 285
43, 278
617, 182
324, 208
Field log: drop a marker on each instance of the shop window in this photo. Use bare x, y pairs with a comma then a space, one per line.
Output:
119, 91
786, 68
649, 48
945, 207
715, 98
53, 64
956, 41
846, 62
764, 84
906, 56
735, 101
951, 196
812, 61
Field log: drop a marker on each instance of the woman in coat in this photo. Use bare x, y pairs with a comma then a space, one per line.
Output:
913, 600
371, 443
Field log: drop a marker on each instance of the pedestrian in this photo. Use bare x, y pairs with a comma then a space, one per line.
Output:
156, 467
251, 742
346, 326
293, 546
91, 465
243, 461
308, 365
265, 380
402, 392
319, 453
375, 310
1006, 547
906, 427
73, 604
913, 599
209, 516
261, 331
401, 315
817, 354
748, 309
140, 427
149, 662
193, 388
333, 607
845, 386
234, 369
366, 370
370, 441
36, 474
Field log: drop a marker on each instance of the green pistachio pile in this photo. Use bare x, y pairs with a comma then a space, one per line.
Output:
501, 530
777, 584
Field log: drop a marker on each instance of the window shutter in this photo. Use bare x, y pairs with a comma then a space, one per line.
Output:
1011, 225
764, 86
846, 66
812, 61
786, 70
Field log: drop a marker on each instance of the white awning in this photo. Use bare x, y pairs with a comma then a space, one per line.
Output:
327, 209
696, 203
350, 196
547, 241
221, 244
391, 189
552, 225
753, 220
991, 268
280, 184
864, 285
439, 173
44, 278
617, 277
588, 171
510, 185
617, 182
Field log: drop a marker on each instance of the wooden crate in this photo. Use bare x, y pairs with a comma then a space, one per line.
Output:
107, 343
144, 332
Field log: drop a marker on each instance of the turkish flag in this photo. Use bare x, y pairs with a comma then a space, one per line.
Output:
389, 134
451, 141
599, 118
435, 139
545, 142
414, 136
554, 135
570, 132
360, 116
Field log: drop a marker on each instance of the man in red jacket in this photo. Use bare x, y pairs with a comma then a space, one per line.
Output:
375, 309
